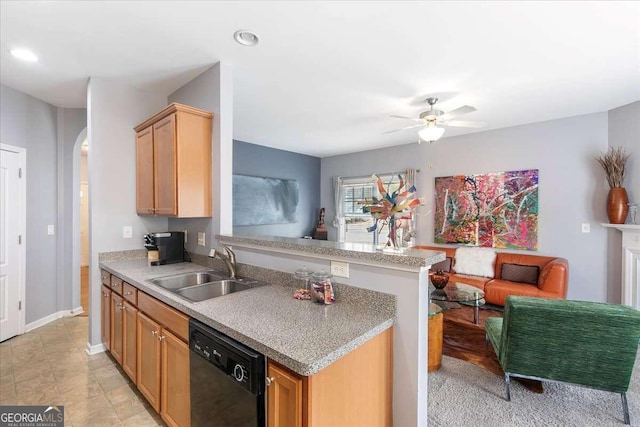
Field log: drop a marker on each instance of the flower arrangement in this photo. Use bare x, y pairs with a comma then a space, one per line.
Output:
393, 207
613, 163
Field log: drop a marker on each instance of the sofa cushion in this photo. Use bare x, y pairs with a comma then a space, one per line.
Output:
442, 265
475, 262
477, 281
520, 273
497, 291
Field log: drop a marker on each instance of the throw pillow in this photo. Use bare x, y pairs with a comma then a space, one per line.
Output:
520, 273
442, 265
475, 261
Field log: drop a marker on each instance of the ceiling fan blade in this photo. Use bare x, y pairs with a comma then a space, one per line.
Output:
405, 117
405, 128
465, 109
465, 124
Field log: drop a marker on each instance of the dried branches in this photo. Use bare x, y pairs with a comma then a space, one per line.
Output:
613, 162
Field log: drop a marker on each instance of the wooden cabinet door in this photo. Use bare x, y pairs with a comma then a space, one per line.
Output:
164, 166
105, 314
117, 313
148, 360
144, 172
129, 328
284, 398
176, 404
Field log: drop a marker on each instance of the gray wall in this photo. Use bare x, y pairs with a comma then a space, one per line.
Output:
572, 190
212, 91
113, 111
256, 160
48, 133
30, 123
624, 131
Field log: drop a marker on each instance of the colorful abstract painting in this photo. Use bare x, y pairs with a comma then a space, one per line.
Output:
498, 210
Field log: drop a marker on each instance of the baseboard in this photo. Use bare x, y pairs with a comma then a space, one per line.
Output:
76, 311
50, 318
95, 349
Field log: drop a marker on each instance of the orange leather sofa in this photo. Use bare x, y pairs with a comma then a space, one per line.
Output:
553, 278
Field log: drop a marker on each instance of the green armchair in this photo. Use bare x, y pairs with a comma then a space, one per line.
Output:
584, 343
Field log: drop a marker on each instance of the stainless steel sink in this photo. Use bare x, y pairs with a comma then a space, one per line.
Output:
203, 285
183, 280
213, 289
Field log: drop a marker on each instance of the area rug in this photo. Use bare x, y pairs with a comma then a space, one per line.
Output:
462, 394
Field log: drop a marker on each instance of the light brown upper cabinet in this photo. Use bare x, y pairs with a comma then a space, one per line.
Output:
173, 163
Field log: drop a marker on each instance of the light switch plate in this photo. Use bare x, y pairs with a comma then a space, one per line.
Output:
127, 232
340, 269
51, 230
201, 238
586, 227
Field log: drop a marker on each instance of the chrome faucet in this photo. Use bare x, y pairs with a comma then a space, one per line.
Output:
229, 259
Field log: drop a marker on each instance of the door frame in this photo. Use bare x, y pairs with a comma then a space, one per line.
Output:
22, 229
75, 232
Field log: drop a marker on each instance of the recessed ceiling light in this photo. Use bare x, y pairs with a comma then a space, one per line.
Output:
246, 37
24, 54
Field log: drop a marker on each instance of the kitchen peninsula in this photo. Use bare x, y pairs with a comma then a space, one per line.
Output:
403, 275
387, 292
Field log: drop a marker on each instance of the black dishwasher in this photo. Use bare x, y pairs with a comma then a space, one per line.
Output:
227, 380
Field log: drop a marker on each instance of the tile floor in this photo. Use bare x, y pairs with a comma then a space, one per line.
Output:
49, 366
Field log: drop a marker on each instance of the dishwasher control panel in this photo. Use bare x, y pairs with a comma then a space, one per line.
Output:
237, 361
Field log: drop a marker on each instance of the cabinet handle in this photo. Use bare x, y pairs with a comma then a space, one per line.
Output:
121, 306
106, 295
269, 381
128, 293
154, 333
161, 337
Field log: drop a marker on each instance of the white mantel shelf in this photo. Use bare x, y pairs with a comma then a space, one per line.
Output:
622, 227
630, 263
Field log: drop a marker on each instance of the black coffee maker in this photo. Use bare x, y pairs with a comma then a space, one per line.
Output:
169, 244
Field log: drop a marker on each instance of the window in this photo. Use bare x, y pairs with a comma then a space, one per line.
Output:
355, 194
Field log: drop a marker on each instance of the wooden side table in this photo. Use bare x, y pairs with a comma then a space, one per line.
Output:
435, 337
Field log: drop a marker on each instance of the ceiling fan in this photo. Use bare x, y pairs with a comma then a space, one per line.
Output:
432, 121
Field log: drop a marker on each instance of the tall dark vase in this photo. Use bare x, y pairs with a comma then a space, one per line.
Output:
617, 205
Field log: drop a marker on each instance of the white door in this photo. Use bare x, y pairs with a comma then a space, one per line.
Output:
9, 245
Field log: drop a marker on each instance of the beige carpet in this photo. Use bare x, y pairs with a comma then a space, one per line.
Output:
462, 394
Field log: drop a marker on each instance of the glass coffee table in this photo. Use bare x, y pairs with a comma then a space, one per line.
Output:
463, 293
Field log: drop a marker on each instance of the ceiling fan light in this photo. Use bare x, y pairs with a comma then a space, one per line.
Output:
431, 133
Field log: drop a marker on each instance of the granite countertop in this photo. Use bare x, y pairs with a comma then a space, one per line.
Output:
301, 335
362, 253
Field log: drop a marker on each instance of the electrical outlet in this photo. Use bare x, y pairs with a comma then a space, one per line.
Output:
127, 232
50, 230
201, 238
586, 227
340, 269
185, 236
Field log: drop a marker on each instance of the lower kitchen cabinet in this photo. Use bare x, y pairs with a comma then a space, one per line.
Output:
105, 314
284, 397
148, 366
175, 406
163, 360
356, 390
117, 313
129, 338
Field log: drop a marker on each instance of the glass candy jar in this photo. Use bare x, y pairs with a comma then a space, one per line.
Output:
321, 288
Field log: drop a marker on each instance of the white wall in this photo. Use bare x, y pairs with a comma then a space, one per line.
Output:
571, 191
624, 131
212, 91
113, 111
70, 124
